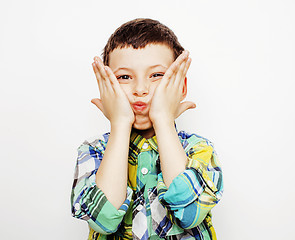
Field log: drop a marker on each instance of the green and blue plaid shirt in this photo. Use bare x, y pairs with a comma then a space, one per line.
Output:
151, 210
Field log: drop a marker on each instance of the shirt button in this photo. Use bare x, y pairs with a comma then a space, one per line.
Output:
144, 171
139, 207
77, 206
145, 145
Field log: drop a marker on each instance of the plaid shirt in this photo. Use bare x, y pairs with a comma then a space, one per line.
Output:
150, 211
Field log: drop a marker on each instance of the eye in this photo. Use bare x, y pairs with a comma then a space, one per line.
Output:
125, 77
157, 76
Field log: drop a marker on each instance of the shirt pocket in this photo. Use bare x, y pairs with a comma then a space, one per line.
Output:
161, 223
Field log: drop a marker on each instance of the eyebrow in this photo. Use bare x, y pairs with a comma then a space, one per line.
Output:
157, 65
129, 69
122, 68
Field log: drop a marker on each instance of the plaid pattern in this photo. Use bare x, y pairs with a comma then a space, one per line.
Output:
150, 211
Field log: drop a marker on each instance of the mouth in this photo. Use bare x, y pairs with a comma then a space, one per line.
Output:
139, 106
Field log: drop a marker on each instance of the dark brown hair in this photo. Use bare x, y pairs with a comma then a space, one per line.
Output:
140, 32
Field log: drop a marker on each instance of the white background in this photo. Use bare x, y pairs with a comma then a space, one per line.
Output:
241, 78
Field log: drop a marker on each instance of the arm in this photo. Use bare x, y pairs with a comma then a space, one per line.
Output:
186, 187
172, 156
112, 175
99, 189
165, 108
195, 191
88, 201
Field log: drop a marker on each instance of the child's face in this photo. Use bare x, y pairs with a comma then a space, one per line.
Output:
139, 72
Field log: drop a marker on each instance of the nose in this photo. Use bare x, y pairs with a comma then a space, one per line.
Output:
141, 88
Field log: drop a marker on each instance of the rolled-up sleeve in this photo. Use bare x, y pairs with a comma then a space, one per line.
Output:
88, 202
195, 191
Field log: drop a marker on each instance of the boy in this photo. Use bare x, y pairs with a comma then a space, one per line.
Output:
145, 180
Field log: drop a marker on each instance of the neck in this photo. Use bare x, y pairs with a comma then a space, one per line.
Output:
146, 133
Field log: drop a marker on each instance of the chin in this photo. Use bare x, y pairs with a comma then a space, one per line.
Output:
144, 129
142, 124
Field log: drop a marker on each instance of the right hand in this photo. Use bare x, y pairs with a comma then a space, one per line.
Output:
113, 101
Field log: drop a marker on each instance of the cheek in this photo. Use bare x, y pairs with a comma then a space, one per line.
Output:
153, 87
127, 90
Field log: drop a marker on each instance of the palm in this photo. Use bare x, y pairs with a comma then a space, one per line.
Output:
166, 104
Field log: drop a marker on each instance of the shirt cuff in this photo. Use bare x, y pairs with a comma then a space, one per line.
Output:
183, 190
188, 198
94, 207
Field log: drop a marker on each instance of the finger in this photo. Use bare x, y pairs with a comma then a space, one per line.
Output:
178, 66
185, 106
179, 74
107, 81
101, 68
169, 73
98, 77
171, 70
97, 102
96, 58
182, 68
104, 76
113, 79
182, 57
187, 65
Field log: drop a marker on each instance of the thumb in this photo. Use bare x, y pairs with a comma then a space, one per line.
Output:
185, 106
97, 102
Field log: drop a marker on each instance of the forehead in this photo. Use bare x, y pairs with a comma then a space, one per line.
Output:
150, 55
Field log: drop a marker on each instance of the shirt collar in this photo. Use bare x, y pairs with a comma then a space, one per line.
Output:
137, 140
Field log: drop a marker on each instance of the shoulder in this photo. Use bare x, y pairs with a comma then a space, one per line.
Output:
90, 154
193, 140
200, 150
94, 144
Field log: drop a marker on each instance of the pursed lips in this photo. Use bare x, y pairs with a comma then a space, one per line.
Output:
139, 106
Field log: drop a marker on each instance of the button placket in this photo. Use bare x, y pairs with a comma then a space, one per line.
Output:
143, 166
144, 171
145, 145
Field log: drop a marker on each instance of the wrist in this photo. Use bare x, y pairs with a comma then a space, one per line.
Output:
121, 126
162, 120
163, 124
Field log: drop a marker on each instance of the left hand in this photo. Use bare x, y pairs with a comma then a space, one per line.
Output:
166, 103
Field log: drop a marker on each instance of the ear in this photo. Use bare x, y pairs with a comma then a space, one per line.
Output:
184, 89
